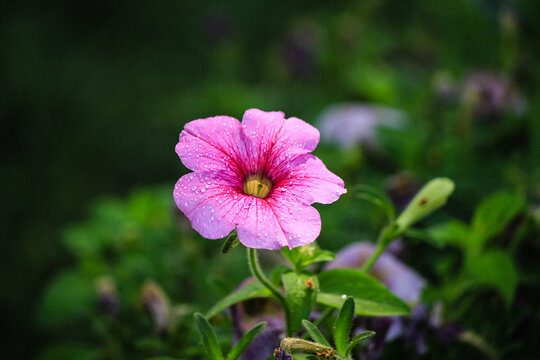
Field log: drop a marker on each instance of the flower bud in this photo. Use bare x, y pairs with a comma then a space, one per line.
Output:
157, 305
107, 296
290, 345
432, 196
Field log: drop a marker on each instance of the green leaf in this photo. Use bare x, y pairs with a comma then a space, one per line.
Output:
252, 290
371, 297
358, 339
244, 342
317, 256
342, 328
314, 333
209, 338
431, 197
277, 272
150, 345
376, 197
424, 236
230, 242
494, 268
494, 213
69, 351
301, 293
162, 358
69, 298
302, 256
452, 232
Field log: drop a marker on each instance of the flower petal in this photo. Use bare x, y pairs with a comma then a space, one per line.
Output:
261, 129
258, 226
276, 222
274, 141
300, 222
211, 201
308, 178
212, 144
296, 137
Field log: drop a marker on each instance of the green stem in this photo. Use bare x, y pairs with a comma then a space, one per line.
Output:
371, 261
386, 236
259, 275
325, 315
478, 342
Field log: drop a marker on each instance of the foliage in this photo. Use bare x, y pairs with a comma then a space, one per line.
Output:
95, 94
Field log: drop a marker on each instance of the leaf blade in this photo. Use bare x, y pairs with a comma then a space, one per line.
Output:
231, 241
342, 328
494, 213
250, 291
209, 337
358, 339
371, 297
244, 342
315, 333
377, 198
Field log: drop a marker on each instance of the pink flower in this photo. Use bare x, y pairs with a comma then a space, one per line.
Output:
256, 176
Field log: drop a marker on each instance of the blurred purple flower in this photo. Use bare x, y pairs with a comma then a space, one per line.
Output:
375, 345
446, 332
407, 285
489, 95
281, 355
446, 89
219, 25
157, 305
398, 277
401, 188
299, 50
415, 331
108, 300
351, 124
249, 313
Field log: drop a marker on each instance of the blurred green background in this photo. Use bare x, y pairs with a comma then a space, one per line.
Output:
94, 95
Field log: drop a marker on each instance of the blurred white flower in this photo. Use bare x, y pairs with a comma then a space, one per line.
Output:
351, 124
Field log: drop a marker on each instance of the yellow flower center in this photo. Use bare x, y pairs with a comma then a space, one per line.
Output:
257, 185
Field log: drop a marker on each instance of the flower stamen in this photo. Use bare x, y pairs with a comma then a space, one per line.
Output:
257, 185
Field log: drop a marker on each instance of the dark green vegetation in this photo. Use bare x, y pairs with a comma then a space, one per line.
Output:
95, 93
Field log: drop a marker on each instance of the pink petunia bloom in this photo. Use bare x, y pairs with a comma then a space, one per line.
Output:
256, 176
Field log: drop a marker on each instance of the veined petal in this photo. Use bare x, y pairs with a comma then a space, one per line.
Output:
300, 222
296, 137
214, 143
273, 141
258, 226
280, 220
261, 131
307, 178
211, 201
